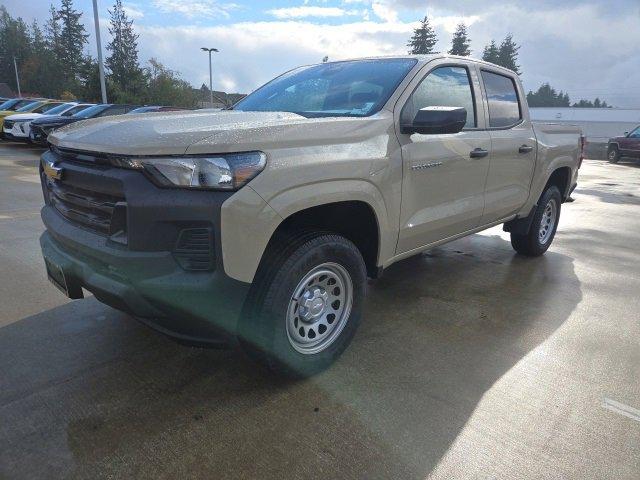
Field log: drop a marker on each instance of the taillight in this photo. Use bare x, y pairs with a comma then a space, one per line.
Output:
583, 146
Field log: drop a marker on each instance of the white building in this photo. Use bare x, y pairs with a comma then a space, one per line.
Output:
598, 124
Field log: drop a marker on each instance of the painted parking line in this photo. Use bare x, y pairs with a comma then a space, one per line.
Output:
621, 409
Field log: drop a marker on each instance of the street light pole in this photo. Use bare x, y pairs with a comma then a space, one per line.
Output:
103, 86
210, 73
15, 66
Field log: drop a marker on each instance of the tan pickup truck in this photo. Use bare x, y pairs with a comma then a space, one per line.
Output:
260, 225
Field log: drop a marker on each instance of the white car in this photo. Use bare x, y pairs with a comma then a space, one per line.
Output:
18, 126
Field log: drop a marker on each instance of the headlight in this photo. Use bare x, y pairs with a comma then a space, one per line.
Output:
217, 172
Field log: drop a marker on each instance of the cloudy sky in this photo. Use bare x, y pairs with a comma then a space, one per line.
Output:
586, 47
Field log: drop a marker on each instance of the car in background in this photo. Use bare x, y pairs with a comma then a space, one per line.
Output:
13, 104
37, 106
627, 145
18, 126
156, 108
41, 127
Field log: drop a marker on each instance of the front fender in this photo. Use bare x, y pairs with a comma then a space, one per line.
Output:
299, 198
249, 222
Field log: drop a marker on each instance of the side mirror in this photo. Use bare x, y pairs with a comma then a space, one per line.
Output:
434, 120
626, 134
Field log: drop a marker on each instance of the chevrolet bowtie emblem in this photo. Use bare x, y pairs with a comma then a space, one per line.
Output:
51, 170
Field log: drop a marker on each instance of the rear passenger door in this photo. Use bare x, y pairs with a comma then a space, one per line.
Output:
513, 146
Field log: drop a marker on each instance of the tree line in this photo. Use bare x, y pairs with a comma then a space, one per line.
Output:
505, 54
52, 63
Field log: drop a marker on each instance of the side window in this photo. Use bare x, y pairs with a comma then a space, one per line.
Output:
635, 133
443, 87
504, 108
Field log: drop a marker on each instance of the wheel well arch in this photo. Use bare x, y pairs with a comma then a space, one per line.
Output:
561, 177
356, 220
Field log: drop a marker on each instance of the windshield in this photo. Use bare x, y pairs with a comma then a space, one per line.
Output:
58, 109
353, 88
76, 109
9, 103
45, 107
28, 106
91, 111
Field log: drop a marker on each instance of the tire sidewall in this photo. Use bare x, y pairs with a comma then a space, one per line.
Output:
616, 157
273, 313
551, 193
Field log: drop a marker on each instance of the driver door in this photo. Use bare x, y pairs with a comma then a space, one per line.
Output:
444, 175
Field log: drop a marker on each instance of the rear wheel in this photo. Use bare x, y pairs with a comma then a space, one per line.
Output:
613, 155
543, 227
306, 304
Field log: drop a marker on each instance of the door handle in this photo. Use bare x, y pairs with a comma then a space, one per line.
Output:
478, 153
525, 149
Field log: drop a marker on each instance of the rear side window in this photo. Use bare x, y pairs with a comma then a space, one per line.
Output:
504, 109
443, 87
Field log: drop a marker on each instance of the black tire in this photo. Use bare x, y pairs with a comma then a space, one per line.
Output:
263, 327
613, 154
531, 244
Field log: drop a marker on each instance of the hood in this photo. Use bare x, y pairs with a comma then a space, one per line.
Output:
21, 117
167, 133
176, 133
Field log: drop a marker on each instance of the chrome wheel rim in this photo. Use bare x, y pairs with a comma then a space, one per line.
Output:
612, 155
548, 221
319, 308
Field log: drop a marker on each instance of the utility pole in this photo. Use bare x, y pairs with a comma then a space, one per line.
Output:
103, 86
15, 66
210, 72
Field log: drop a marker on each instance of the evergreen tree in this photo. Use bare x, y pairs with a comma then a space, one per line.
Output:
126, 75
546, 96
423, 40
90, 91
491, 53
14, 42
53, 35
35, 68
508, 54
72, 40
460, 42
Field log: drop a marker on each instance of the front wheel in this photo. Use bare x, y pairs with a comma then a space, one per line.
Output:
306, 305
543, 227
613, 155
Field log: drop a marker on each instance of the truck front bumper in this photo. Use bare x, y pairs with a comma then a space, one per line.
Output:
198, 307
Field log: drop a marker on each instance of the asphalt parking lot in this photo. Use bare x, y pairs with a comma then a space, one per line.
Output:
471, 362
